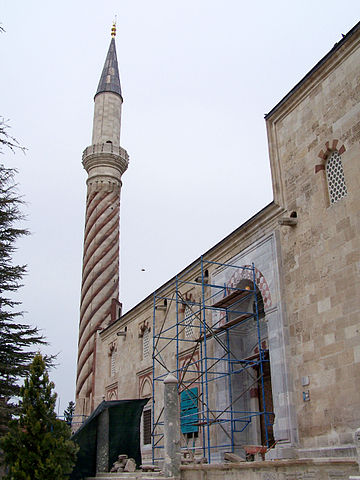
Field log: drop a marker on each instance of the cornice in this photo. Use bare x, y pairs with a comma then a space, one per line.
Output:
337, 55
144, 371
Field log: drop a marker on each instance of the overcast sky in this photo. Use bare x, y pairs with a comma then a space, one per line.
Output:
197, 78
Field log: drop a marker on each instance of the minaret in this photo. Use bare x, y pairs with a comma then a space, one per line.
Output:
105, 162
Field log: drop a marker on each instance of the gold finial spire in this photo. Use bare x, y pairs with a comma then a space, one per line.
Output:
113, 28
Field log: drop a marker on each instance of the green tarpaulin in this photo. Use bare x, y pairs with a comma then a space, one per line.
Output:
124, 435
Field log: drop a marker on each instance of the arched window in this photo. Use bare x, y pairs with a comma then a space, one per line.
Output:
335, 177
188, 320
146, 343
146, 392
112, 363
147, 426
112, 358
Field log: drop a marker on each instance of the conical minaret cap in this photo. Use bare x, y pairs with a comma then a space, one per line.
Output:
110, 78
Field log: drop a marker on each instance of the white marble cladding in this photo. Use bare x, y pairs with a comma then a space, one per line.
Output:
265, 256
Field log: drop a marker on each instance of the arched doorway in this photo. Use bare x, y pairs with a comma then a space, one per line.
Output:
251, 389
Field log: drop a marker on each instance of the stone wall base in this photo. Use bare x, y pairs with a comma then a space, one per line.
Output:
282, 452
326, 452
311, 469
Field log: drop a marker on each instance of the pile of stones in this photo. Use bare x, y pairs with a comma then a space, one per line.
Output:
124, 464
189, 458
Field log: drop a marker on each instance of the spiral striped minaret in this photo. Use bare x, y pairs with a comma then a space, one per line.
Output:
105, 162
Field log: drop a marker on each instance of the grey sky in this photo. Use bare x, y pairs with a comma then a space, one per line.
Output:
197, 78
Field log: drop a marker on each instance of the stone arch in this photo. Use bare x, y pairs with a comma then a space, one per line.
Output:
246, 339
245, 273
146, 388
328, 149
247, 284
112, 392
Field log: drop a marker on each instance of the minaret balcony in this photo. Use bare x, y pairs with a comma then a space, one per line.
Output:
105, 159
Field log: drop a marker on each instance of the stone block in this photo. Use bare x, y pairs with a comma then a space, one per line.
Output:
324, 305
130, 465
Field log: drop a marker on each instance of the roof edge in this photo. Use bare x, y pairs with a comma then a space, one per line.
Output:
269, 206
335, 48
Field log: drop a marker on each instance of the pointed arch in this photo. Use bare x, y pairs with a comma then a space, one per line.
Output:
331, 163
246, 274
146, 388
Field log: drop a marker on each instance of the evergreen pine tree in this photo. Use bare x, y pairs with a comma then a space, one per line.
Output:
38, 445
16, 338
69, 413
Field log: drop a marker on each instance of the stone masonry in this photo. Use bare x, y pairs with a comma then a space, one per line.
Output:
105, 162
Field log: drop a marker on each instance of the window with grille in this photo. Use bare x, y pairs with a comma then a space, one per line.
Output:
112, 363
147, 427
188, 321
335, 177
146, 343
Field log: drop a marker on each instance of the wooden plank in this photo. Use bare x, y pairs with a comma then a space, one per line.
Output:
235, 296
231, 457
216, 330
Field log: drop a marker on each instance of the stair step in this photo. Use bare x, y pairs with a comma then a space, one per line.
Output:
111, 476
129, 476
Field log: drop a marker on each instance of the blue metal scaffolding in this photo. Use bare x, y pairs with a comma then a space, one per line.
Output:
211, 362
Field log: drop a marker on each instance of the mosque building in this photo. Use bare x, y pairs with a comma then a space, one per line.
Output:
262, 331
